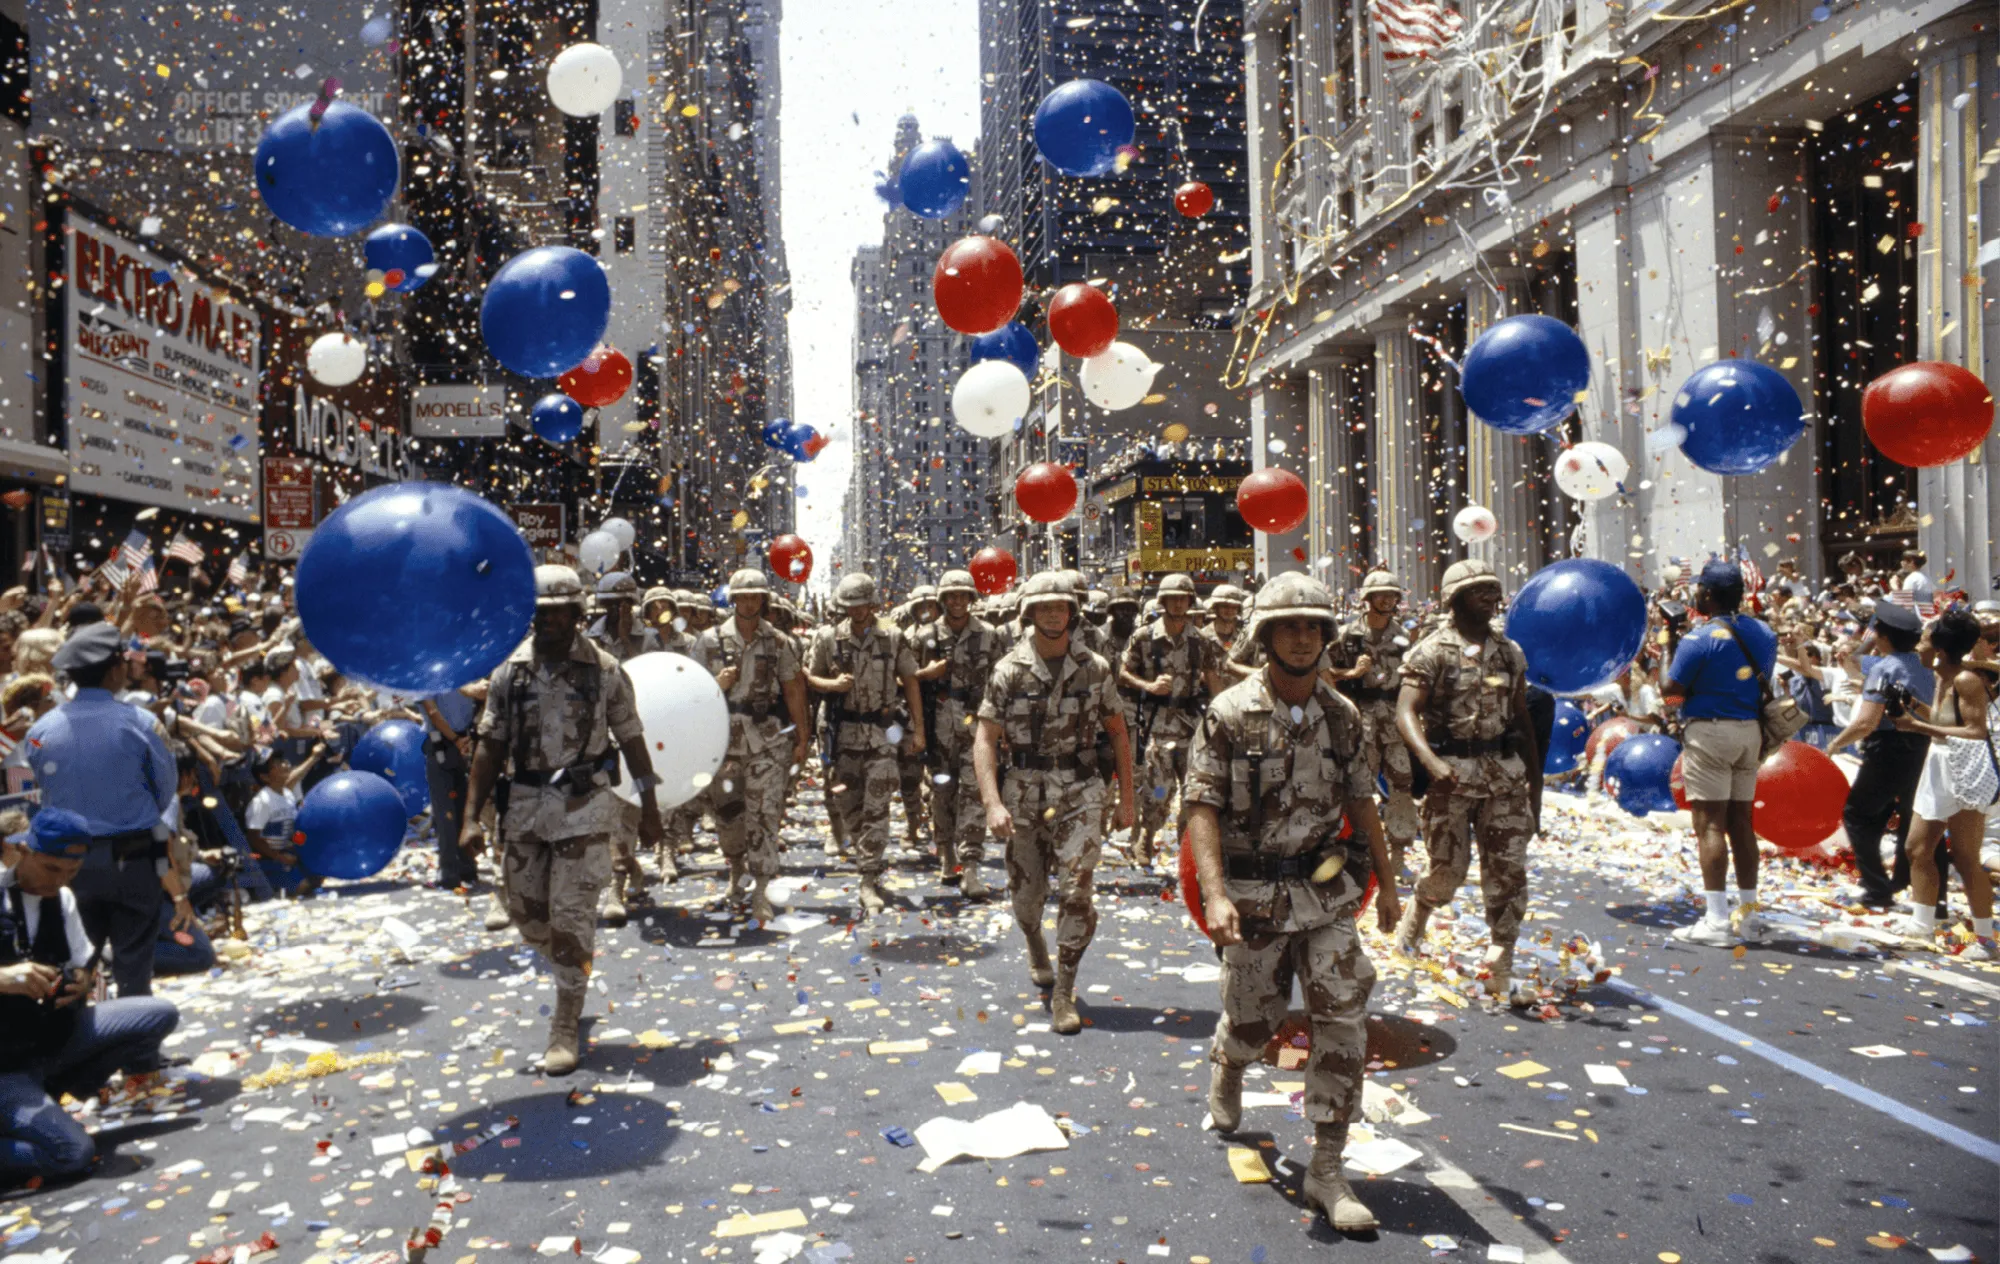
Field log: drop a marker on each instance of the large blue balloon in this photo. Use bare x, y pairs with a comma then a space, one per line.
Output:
796, 440
777, 434
329, 179
394, 749
417, 587
1739, 416
1638, 773
1013, 342
1566, 739
350, 825
935, 179
1580, 621
1081, 126
1522, 375
545, 311
556, 417
400, 248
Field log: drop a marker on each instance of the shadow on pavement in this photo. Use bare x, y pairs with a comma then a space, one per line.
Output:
341, 1018
556, 1141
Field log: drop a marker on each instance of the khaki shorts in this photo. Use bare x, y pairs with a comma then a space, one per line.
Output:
1719, 760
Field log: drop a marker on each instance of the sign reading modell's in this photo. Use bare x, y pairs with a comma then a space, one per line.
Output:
471, 411
352, 434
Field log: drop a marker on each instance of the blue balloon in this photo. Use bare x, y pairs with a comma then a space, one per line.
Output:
401, 248
1738, 416
1522, 375
545, 311
556, 417
935, 179
777, 434
1638, 773
350, 825
1566, 740
1013, 342
1081, 126
417, 587
796, 441
394, 749
329, 179
1580, 621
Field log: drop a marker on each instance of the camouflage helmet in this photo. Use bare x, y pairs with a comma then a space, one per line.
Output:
557, 586
956, 581
1381, 580
922, 593
1047, 586
691, 600
1177, 585
1228, 595
661, 594
749, 581
1124, 596
856, 588
1465, 574
617, 587
1097, 601
1293, 595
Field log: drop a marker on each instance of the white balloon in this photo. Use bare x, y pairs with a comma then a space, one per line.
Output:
1119, 377
584, 80
598, 551
623, 531
686, 721
1475, 524
1591, 471
337, 359
990, 399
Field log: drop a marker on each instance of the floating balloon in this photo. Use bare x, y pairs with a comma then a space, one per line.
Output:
1566, 739
804, 442
545, 310
1013, 342
1591, 471
792, 558
977, 285
1801, 793
327, 176
990, 399
1082, 320
394, 750
686, 723
598, 552
778, 434
1927, 414
1081, 126
1580, 622
620, 530
1475, 524
1272, 500
1737, 416
402, 254
600, 381
556, 417
1606, 738
1523, 374
1636, 773
416, 587
350, 826
993, 571
1045, 491
584, 80
337, 359
935, 179
1194, 199
812, 448
1118, 378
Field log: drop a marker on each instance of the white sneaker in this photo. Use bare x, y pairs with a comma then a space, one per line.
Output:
1707, 934
1911, 928
1977, 950
1753, 928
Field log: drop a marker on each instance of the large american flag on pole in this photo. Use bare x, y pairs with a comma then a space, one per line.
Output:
1412, 28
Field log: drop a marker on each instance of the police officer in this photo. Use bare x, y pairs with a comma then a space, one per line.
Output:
1171, 666
1463, 712
624, 636
758, 670
1048, 700
558, 714
1278, 764
1366, 659
958, 653
105, 761
863, 666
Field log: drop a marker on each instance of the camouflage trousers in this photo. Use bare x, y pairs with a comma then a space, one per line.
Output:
1501, 826
1336, 977
910, 776
958, 818
748, 794
1057, 834
1389, 759
552, 893
1160, 780
678, 825
860, 785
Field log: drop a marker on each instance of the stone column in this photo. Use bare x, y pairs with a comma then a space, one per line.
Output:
1499, 466
1332, 542
1279, 413
1400, 499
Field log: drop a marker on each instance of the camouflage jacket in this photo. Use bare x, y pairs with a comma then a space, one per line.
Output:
1474, 689
879, 660
553, 715
1053, 712
1152, 653
1384, 648
640, 640
972, 652
765, 663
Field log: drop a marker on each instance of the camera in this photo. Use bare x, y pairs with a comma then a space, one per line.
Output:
1896, 698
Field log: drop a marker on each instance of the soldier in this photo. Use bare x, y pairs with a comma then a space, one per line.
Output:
624, 636
757, 667
1366, 661
662, 614
1093, 637
1278, 763
1225, 609
921, 611
863, 667
558, 714
1173, 668
1463, 713
958, 653
1047, 701
697, 611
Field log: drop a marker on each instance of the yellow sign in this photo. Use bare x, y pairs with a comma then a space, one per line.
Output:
1119, 491
1148, 517
1157, 559
1191, 483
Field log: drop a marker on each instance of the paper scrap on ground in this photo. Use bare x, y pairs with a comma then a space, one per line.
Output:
1247, 1166
1004, 1134
1601, 1074
1878, 1051
986, 1062
1381, 1156
955, 1094
1522, 1070
744, 1225
1380, 1104
876, 1048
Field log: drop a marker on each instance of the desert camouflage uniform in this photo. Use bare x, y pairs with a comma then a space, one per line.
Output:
748, 793
958, 821
1280, 788
863, 777
638, 640
1375, 694
1168, 723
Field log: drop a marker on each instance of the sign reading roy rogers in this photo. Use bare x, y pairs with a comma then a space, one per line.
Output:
460, 411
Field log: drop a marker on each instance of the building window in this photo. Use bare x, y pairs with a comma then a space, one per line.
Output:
626, 117
1343, 207
1420, 152
1454, 122
624, 234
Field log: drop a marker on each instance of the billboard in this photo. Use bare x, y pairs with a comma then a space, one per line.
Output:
291, 506
541, 524
352, 434
465, 411
161, 400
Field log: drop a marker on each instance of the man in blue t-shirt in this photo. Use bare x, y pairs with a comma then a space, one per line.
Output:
1717, 680
1891, 762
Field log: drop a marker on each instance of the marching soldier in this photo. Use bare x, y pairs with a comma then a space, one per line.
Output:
624, 636
661, 612
1464, 714
1047, 701
921, 611
958, 653
1173, 667
697, 611
558, 714
1366, 660
1278, 763
1225, 610
862, 666
758, 669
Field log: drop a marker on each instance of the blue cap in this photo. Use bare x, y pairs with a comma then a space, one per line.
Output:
56, 832
1721, 574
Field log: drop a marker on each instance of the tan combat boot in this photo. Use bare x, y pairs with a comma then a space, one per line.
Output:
497, 917
973, 884
1225, 1096
1062, 1002
873, 901
1142, 849
947, 861
761, 907
1040, 972
739, 881
1500, 969
561, 1056
611, 904
1410, 931
1326, 1187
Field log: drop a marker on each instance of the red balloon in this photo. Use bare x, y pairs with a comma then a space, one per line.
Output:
1272, 500
1800, 795
603, 378
1194, 199
814, 445
977, 286
1082, 320
791, 558
1927, 414
1045, 491
1605, 738
993, 571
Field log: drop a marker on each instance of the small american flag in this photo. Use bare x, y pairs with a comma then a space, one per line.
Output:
184, 549
239, 570
1924, 609
1412, 28
149, 578
1753, 575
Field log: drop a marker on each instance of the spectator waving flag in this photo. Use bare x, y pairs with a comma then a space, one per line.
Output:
1412, 28
239, 570
1753, 575
184, 549
134, 553
1908, 600
149, 578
